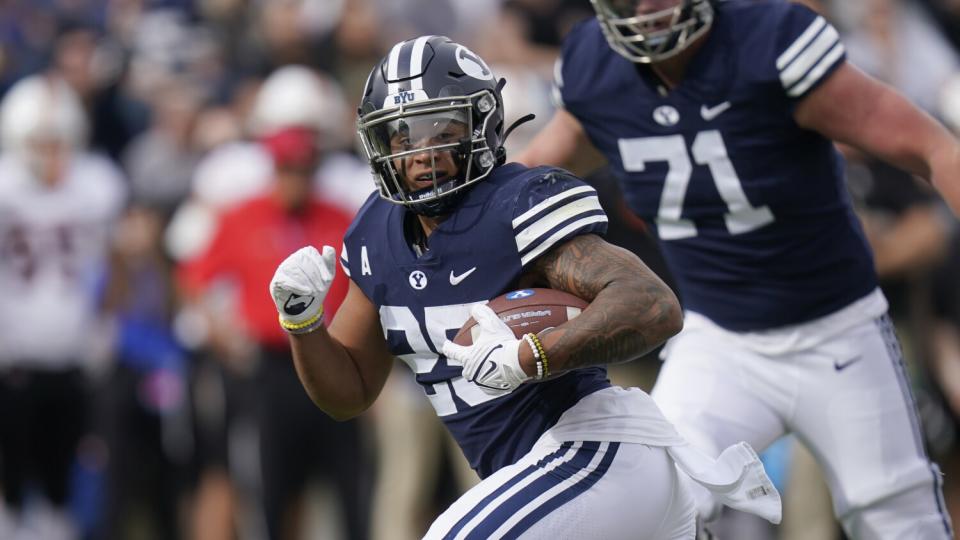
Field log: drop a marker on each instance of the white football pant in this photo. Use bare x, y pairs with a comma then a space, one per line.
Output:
840, 385
583, 490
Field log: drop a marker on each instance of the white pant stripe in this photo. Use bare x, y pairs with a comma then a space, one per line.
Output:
550, 493
505, 496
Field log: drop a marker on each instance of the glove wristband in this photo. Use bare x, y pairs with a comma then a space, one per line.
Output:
304, 327
536, 356
543, 355
539, 355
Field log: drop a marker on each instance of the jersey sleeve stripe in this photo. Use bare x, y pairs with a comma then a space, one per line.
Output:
560, 235
547, 203
558, 73
809, 57
800, 43
556, 90
345, 260
545, 224
556, 98
816, 73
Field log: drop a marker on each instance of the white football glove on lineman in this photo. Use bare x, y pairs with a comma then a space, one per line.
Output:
299, 286
493, 361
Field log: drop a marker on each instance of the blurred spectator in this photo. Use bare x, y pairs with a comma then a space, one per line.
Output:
947, 14
528, 33
249, 240
143, 408
161, 160
93, 66
57, 204
897, 42
359, 20
410, 18
289, 32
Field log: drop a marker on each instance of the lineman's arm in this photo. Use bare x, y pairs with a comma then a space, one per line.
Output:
344, 368
631, 310
562, 143
853, 108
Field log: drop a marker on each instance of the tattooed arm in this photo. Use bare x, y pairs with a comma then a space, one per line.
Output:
631, 310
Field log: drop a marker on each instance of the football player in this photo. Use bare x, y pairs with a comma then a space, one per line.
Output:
58, 203
452, 227
720, 118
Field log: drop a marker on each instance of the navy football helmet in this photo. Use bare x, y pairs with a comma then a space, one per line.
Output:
647, 31
431, 122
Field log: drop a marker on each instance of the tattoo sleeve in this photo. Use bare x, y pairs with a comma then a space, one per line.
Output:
631, 310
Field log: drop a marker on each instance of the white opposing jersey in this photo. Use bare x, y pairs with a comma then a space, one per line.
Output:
53, 249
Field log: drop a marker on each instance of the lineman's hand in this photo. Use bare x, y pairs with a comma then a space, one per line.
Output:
493, 361
299, 286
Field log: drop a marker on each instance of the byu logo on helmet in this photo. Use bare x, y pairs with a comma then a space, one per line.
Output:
472, 65
418, 280
517, 295
403, 97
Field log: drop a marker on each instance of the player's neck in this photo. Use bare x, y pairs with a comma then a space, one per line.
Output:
428, 224
418, 231
672, 70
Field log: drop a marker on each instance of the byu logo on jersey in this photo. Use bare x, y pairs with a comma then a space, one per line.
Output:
418, 280
472, 65
665, 115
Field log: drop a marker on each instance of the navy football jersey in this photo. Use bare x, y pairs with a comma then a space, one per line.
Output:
751, 210
479, 252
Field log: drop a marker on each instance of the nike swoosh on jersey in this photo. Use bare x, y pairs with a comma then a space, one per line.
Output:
840, 366
709, 113
455, 279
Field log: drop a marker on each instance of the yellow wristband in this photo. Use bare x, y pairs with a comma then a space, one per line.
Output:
543, 354
528, 339
302, 328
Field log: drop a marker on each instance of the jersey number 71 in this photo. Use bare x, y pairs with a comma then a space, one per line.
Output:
707, 149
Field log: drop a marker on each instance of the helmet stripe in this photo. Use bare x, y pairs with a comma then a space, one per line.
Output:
416, 62
393, 61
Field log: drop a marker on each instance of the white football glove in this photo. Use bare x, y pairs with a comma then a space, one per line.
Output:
493, 361
299, 286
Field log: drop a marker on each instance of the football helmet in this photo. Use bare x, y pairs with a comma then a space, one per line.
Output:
431, 123
295, 96
647, 31
37, 110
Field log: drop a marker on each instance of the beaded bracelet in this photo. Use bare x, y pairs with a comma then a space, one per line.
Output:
542, 356
536, 355
305, 327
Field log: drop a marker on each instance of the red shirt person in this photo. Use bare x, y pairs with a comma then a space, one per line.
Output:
255, 236
251, 239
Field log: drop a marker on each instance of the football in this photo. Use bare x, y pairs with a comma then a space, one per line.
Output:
526, 311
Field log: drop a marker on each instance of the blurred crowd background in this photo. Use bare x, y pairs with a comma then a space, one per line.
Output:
159, 158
